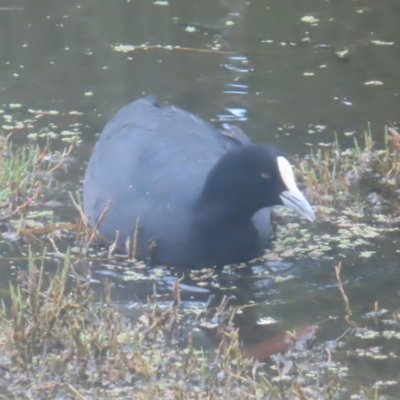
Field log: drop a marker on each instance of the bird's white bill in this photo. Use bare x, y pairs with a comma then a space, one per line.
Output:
292, 197
297, 202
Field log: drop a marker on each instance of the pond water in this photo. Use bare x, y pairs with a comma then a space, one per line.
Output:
287, 72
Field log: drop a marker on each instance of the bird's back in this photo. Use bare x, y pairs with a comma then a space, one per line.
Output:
151, 162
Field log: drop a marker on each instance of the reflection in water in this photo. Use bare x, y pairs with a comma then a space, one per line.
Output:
236, 114
280, 343
234, 6
234, 88
238, 88
234, 68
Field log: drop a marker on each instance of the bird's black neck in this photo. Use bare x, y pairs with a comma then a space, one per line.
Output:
225, 236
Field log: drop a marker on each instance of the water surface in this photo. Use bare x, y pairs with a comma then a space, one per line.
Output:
287, 72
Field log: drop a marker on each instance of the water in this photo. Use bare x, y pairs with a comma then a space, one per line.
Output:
283, 78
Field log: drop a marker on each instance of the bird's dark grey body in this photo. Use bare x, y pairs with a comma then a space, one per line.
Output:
151, 162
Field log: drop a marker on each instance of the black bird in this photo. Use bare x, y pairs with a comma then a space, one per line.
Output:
183, 192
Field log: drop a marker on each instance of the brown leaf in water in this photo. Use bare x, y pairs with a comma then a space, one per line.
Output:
279, 343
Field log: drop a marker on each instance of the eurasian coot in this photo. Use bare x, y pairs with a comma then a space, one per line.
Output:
183, 192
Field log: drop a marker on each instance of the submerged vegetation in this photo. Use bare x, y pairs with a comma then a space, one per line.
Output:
57, 342
333, 175
58, 339
26, 173
356, 194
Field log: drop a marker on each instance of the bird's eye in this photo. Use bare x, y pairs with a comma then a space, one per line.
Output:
266, 175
